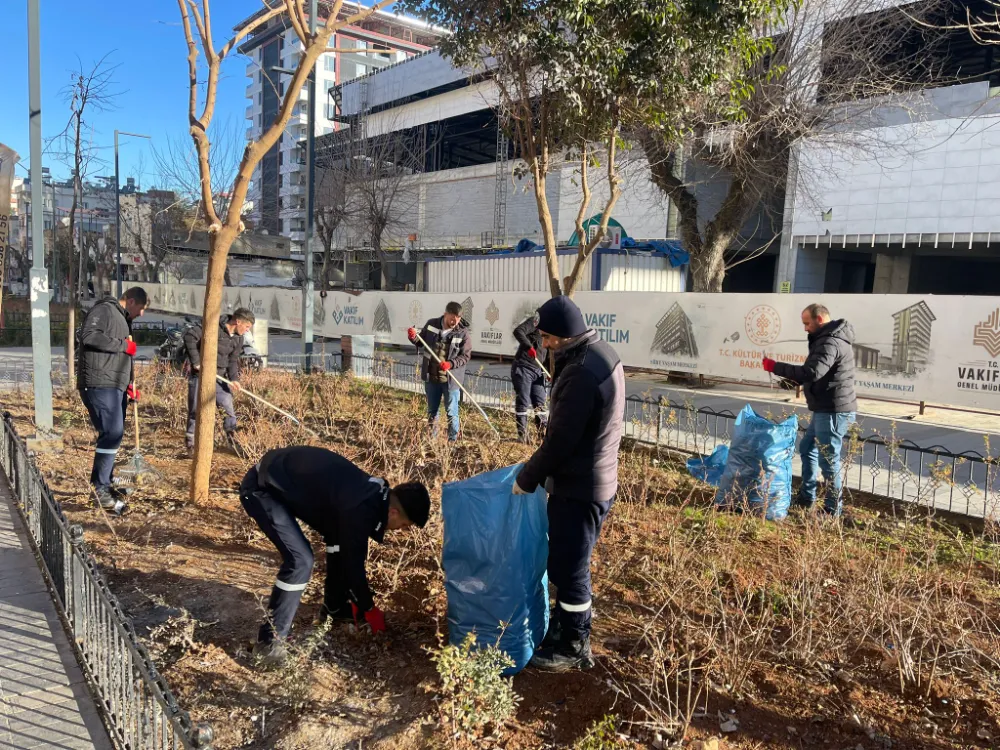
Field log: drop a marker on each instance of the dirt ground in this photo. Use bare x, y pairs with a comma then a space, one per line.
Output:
881, 633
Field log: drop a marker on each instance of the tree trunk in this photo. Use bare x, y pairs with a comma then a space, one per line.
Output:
708, 267
204, 432
548, 232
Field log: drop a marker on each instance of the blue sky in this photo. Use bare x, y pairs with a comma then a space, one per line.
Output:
147, 42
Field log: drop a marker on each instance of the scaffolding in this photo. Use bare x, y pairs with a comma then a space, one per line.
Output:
503, 170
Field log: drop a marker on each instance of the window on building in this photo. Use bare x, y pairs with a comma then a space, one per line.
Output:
326, 130
331, 110
330, 63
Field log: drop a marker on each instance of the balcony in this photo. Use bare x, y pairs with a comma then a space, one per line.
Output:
296, 190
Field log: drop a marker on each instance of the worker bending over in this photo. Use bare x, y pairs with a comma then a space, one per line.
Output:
343, 503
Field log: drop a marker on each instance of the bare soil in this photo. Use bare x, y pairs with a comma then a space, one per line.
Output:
875, 634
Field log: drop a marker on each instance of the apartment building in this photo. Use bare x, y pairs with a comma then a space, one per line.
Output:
278, 191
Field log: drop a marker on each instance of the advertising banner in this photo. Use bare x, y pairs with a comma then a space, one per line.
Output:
907, 347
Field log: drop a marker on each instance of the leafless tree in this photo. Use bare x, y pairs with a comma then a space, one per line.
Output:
330, 213
836, 67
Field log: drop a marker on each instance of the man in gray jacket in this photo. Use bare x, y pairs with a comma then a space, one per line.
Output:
104, 379
827, 378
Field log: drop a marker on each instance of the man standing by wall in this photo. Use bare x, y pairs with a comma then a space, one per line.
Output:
448, 337
528, 379
104, 379
578, 465
231, 330
827, 377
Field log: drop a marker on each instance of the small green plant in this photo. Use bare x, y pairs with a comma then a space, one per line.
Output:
602, 735
474, 695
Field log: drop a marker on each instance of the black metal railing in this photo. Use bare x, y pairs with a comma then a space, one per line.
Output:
141, 712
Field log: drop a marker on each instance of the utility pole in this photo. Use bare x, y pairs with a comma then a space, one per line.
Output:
307, 287
41, 335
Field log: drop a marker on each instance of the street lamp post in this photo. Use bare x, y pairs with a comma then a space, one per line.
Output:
118, 209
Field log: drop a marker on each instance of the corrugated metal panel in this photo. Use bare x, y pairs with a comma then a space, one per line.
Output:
500, 273
639, 273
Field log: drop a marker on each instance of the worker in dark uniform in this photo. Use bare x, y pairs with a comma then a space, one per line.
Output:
231, 331
104, 379
528, 379
343, 503
577, 464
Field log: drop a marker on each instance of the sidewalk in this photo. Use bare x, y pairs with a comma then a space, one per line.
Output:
44, 701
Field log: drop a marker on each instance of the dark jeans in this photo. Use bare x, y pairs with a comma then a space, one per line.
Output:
436, 392
820, 450
573, 530
107, 408
529, 391
280, 526
223, 398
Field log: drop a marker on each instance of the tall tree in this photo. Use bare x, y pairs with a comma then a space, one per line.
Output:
574, 77
225, 226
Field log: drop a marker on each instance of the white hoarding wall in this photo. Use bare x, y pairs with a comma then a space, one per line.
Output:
907, 347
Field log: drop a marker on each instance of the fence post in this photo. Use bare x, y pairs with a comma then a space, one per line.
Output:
659, 417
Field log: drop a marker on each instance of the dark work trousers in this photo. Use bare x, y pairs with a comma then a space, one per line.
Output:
285, 533
529, 391
573, 530
223, 398
107, 408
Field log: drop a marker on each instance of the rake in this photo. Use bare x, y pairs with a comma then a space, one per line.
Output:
267, 403
137, 470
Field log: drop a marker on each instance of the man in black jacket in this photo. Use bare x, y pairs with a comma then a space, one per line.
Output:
449, 338
104, 379
231, 330
528, 379
827, 377
578, 465
343, 503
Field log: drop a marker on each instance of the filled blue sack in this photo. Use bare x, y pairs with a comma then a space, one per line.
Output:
495, 554
708, 469
758, 473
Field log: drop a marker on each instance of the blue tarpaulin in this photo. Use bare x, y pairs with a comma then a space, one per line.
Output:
758, 474
675, 254
495, 554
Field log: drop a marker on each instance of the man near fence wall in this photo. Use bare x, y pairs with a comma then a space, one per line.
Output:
231, 330
450, 340
343, 503
528, 379
104, 379
578, 465
827, 378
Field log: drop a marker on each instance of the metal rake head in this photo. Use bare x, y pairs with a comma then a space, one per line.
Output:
136, 471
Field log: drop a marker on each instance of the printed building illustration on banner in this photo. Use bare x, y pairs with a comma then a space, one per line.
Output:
382, 323
911, 344
675, 334
319, 313
467, 309
987, 334
275, 311
525, 310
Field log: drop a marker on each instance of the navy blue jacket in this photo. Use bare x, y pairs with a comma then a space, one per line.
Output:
336, 498
578, 458
528, 337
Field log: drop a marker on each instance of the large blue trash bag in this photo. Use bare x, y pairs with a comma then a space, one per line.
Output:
709, 469
759, 469
495, 553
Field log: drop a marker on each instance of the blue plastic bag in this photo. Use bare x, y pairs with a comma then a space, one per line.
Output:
709, 469
759, 469
495, 554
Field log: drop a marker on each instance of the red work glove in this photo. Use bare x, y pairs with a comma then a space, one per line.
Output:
532, 353
133, 392
769, 364
130, 348
411, 334
375, 619
445, 366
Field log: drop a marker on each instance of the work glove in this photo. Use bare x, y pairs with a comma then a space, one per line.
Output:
411, 334
768, 364
517, 489
445, 366
532, 353
374, 617
130, 348
133, 392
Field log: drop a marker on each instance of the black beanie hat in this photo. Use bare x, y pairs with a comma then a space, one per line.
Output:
562, 318
415, 501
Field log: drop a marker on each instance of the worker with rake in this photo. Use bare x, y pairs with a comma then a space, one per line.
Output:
527, 374
445, 348
231, 331
104, 377
577, 464
348, 507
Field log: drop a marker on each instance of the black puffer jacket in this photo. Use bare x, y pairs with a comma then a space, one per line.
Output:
102, 361
528, 337
230, 348
827, 375
586, 418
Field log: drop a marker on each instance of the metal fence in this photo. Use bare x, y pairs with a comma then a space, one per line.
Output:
142, 712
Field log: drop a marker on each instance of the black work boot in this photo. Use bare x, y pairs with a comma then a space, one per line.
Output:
554, 633
110, 502
565, 656
270, 655
338, 615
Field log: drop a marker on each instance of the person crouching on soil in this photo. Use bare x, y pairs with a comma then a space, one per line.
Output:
343, 503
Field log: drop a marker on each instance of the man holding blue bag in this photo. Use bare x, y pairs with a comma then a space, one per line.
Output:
577, 464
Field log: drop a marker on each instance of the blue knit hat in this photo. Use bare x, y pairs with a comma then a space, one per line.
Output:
561, 317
